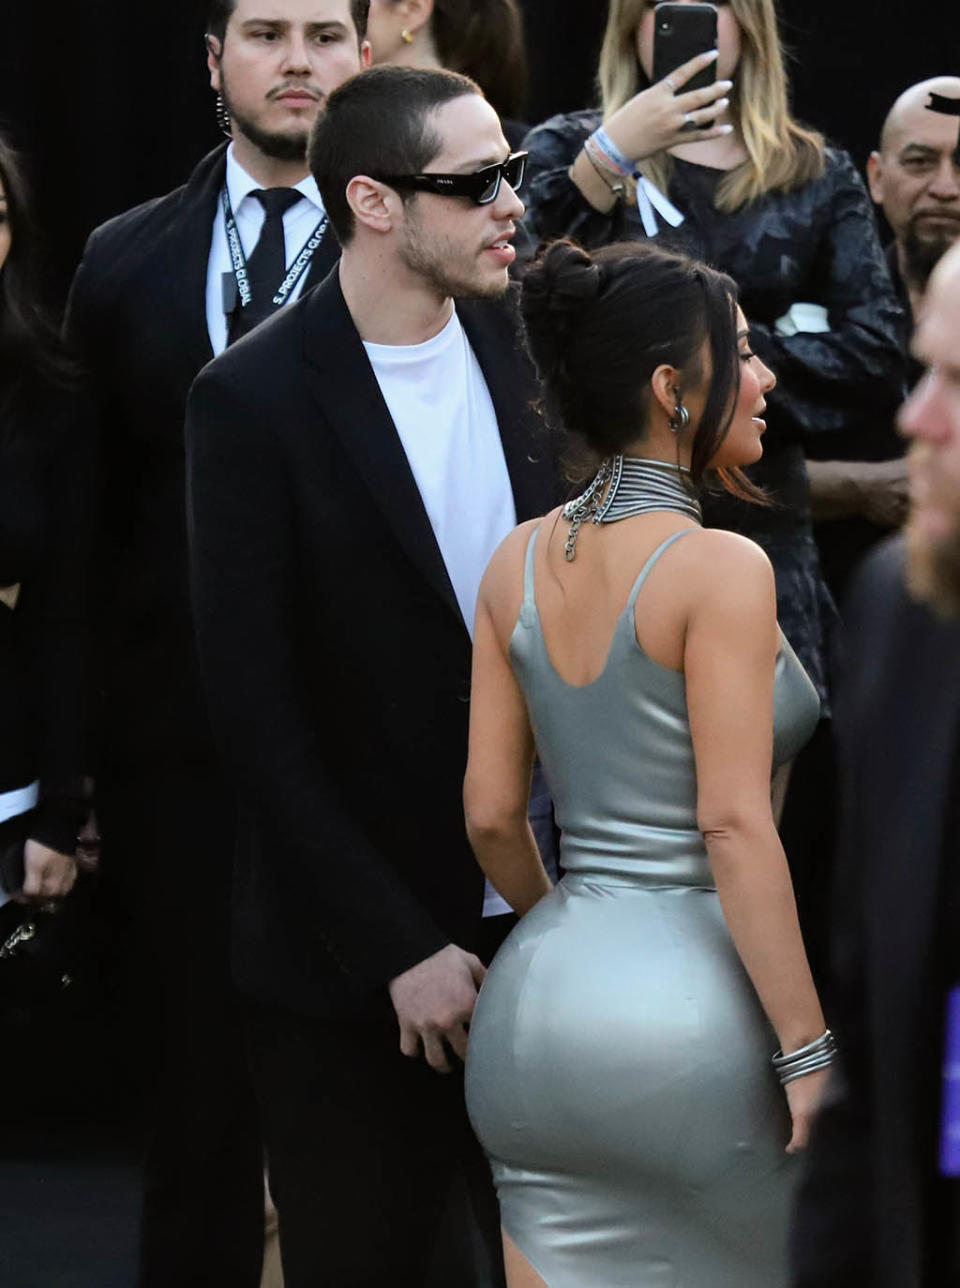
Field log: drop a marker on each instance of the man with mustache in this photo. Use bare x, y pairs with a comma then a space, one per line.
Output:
915, 178
161, 290
881, 1203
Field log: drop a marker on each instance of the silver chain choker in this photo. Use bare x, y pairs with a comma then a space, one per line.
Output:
637, 486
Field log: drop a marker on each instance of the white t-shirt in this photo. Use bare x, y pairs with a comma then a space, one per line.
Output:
443, 413
299, 223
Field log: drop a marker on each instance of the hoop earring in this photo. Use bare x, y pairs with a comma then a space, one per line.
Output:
406, 36
223, 117
680, 419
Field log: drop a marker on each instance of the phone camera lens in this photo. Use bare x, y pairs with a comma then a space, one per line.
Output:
666, 27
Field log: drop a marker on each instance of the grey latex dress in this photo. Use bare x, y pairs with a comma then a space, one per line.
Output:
619, 1071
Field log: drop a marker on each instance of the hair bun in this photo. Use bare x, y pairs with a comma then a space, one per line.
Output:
562, 281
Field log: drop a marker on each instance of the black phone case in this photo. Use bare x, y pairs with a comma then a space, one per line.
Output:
681, 32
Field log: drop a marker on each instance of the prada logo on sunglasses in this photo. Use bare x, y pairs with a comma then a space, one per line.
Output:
482, 187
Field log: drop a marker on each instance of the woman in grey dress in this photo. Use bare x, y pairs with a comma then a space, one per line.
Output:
619, 1071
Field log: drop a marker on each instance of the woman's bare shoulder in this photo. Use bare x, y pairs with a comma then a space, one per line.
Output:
501, 590
730, 576
510, 555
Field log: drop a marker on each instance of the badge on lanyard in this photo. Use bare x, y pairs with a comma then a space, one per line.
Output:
950, 1113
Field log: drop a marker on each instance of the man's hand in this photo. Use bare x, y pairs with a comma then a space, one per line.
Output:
47, 873
434, 1001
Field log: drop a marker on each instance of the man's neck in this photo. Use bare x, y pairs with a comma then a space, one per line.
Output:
268, 171
388, 303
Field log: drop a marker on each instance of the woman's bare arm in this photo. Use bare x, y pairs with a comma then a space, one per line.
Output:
729, 658
497, 786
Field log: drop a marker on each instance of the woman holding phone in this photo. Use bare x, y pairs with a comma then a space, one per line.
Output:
767, 201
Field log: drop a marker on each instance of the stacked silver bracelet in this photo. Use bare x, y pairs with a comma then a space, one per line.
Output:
808, 1059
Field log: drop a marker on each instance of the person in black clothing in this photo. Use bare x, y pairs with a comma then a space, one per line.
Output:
352, 466
46, 478
880, 1204
763, 199
915, 177
160, 290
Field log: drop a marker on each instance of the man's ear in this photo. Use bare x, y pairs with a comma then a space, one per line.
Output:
875, 177
214, 54
374, 205
366, 55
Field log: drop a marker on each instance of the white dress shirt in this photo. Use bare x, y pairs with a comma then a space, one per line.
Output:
298, 225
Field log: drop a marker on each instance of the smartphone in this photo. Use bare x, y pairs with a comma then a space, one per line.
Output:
682, 31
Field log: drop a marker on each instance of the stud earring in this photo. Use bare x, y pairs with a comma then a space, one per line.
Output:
680, 419
223, 117
406, 36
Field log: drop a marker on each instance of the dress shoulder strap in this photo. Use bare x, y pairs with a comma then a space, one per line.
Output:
528, 609
648, 566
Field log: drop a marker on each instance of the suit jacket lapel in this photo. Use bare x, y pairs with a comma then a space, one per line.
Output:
345, 386
188, 250
493, 332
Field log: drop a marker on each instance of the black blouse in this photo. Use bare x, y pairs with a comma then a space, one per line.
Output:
46, 478
817, 244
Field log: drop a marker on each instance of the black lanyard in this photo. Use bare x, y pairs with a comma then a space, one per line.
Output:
237, 284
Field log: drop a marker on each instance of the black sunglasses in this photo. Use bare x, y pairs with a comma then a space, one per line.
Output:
482, 187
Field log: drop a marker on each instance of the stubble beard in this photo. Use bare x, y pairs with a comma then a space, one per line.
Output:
435, 264
922, 254
279, 146
933, 569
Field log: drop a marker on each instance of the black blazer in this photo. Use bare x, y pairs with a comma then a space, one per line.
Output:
335, 658
137, 313
867, 1193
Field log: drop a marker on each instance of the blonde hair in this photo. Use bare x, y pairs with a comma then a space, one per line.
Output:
782, 154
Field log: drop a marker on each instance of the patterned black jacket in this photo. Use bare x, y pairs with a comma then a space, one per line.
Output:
817, 244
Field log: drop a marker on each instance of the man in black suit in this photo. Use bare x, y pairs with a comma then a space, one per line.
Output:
352, 466
160, 290
881, 1200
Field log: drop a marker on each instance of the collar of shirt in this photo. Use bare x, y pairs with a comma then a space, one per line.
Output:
240, 185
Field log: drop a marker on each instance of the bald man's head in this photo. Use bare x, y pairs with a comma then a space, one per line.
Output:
915, 175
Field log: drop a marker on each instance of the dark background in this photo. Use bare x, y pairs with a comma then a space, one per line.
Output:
110, 102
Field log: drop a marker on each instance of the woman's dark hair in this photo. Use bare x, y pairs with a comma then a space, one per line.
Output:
484, 39
29, 342
377, 122
220, 11
598, 326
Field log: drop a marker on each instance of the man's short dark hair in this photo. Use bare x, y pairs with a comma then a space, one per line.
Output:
220, 11
377, 122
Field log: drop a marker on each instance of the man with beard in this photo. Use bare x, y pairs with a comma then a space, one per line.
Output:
352, 467
881, 1201
160, 291
915, 177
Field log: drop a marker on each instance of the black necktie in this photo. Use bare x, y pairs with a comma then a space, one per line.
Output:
265, 267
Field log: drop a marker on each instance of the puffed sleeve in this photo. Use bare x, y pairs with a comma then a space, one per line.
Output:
853, 373
555, 205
